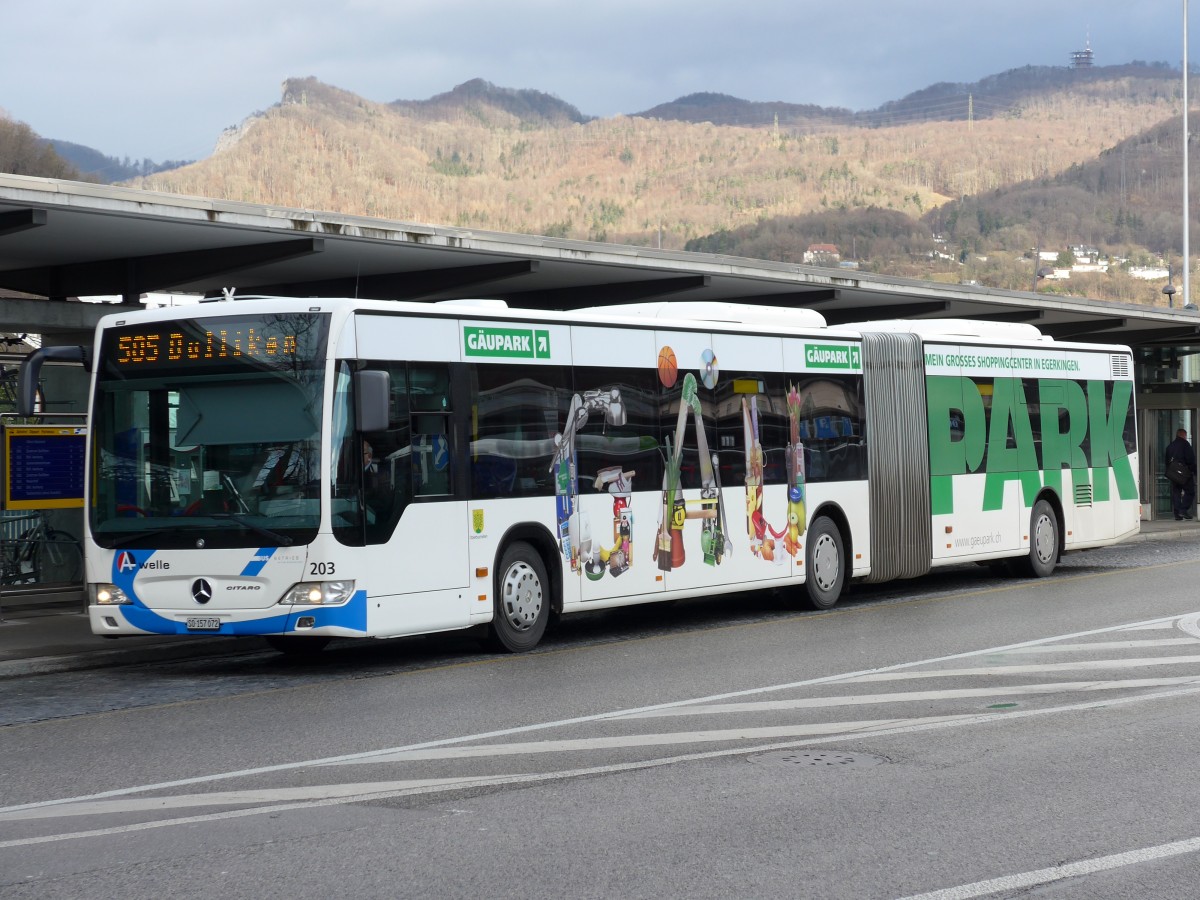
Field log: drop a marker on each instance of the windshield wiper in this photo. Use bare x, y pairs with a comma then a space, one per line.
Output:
131, 540
281, 539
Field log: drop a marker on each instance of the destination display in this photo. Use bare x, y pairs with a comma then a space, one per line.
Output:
274, 342
44, 466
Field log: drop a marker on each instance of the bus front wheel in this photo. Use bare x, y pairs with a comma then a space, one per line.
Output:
521, 606
824, 564
1043, 542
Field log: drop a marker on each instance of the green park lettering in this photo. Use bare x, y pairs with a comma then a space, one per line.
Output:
1079, 431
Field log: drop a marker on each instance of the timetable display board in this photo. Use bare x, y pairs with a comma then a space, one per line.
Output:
43, 466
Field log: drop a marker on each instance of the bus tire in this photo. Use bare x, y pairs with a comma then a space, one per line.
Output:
297, 646
824, 564
521, 606
1043, 542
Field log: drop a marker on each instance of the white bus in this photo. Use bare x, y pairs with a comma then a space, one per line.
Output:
303, 469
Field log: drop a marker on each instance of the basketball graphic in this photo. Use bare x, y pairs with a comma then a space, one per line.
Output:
708, 369
668, 367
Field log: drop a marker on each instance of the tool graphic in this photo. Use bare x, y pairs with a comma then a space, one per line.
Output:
574, 529
760, 532
714, 541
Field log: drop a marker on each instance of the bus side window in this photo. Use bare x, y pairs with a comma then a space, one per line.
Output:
429, 400
515, 414
431, 455
387, 482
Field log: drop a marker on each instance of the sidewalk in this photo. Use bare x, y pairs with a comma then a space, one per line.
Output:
45, 633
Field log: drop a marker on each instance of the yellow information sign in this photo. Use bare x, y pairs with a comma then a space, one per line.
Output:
43, 466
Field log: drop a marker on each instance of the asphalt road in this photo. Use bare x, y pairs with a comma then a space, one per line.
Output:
952, 736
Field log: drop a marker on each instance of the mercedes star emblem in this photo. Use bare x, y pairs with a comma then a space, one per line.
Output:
201, 590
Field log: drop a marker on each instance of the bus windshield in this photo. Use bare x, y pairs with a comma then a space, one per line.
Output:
206, 432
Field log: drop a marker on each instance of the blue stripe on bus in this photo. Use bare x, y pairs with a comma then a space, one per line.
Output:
352, 616
260, 559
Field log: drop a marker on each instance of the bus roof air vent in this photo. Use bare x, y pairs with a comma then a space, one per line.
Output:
475, 303
950, 328
715, 311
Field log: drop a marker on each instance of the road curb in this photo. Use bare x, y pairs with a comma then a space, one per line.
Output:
196, 648
106, 659
1181, 532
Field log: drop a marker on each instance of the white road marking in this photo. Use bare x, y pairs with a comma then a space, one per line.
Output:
1190, 624
591, 771
1081, 665
1058, 873
1165, 622
677, 738
1105, 645
1053, 687
257, 796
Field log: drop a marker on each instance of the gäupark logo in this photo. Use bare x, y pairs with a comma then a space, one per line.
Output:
833, 356
510, 343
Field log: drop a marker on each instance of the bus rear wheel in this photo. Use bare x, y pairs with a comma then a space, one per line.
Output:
521, 606
1043, 542
824, 564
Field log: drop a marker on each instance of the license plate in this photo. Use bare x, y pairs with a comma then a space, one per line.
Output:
203, 623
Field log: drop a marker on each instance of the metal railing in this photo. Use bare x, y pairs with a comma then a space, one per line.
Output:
34, 553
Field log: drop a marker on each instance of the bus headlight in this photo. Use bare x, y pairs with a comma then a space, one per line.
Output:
108, 594
318, 593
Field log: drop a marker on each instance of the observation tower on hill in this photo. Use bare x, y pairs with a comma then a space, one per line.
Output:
1082, 59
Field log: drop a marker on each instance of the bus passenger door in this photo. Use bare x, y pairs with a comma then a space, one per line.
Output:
980, 447
957, 432
416, 525
612, 465
691, 540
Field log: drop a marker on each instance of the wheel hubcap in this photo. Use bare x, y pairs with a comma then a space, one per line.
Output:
1043, 539
825, 562
522, 596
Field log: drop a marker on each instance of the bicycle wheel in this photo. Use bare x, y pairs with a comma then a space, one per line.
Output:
58, 557
26, 551
9, 571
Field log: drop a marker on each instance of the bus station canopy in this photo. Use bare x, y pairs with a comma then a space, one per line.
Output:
62, 240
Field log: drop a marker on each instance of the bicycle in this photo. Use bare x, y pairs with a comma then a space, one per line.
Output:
9, 380
37, 554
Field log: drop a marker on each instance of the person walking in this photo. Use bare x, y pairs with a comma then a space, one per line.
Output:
1183, 478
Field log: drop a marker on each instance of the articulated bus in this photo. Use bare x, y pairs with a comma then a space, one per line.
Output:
304, 469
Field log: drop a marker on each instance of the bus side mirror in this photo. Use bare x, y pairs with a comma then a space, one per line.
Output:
372, 390
30, 373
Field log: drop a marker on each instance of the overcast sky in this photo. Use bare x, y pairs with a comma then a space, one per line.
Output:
163, 79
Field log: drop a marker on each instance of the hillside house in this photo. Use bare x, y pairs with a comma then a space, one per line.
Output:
822, 255
1149, 273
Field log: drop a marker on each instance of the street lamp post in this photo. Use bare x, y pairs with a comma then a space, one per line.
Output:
1187, 294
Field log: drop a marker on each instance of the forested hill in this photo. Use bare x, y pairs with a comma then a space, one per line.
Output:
1125, 204
722, 109
528, 106
996, 95
24, 152
1127, 197
961, 174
